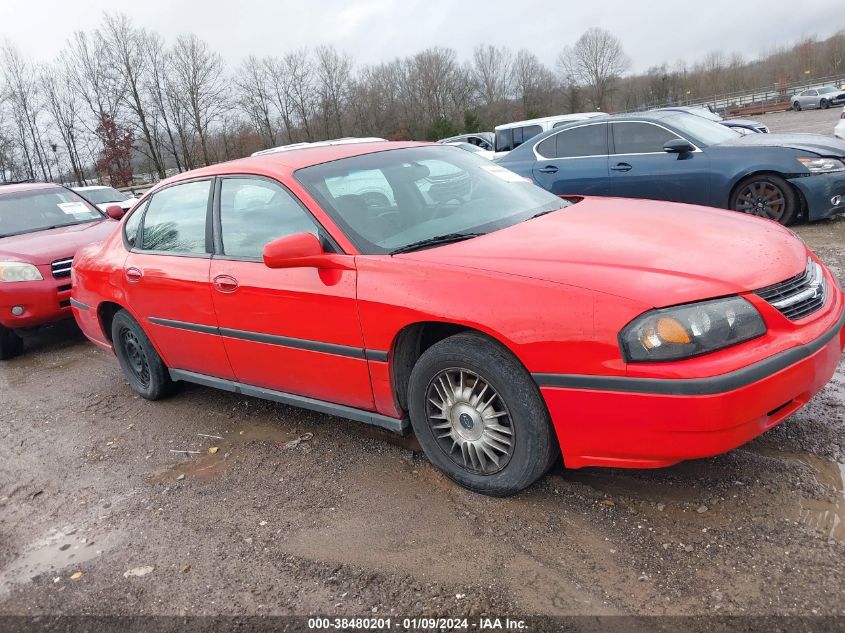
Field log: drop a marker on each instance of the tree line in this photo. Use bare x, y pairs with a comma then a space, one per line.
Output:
119, 101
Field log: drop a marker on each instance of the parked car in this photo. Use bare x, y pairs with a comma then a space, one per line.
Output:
104, 197
839, 130
475, 149
502, 323
743, 126
484, 140
684, 158
818, 98
41, 228
509, 136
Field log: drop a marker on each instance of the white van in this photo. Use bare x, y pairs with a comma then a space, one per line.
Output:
511, 135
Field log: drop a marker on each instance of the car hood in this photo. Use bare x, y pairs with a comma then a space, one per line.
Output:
815, 143
126, 205
658, 253
741, 122
43, 247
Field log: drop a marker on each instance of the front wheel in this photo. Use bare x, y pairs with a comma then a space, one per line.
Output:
479, 416
825, 104
11, 344
767, 196
141, 364
796, 106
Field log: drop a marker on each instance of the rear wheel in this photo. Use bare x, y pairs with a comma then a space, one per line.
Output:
141, 364
479, 416
768, 196
796, 106
11, 344
825, 104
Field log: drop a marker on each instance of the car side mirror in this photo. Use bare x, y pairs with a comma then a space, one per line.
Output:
303, 250
678, 146
115, 212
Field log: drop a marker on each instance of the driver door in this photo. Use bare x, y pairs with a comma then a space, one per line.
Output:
293, 330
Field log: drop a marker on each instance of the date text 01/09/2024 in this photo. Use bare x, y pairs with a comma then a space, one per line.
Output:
410, 624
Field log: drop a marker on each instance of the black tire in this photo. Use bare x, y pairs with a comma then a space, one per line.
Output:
516, 405
770, 188
11, 344
796, 106
825, 104
141, 364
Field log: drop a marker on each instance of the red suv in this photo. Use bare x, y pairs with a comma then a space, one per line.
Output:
404, 284
41, 228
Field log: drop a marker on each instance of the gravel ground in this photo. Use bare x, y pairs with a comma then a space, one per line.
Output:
810, 121
355, 521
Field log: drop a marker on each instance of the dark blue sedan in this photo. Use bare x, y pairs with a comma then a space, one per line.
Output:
684, 158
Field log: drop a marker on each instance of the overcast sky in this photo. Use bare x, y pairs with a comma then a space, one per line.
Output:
652, 31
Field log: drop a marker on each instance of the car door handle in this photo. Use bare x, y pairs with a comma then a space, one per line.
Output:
622, 167
133, 275
225, 284
548, 169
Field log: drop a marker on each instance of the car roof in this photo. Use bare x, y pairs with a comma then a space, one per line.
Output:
27, 186
281, 164
574, 116
90, 187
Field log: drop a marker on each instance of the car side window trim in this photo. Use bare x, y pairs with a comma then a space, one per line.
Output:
539, 156
139, 210
146, 206
218, 252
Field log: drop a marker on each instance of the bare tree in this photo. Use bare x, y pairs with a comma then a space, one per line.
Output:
62, 102
127, 47
157, 89
255, 96
334, 74
22, 93
596, 61
533, 83
301, 92
493, 77
200, 85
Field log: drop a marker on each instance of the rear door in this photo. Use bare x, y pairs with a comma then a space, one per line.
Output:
574, 161
166, 277
639, 168
293, 330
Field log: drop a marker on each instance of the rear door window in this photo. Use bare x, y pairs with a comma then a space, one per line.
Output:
584, 140
175, 221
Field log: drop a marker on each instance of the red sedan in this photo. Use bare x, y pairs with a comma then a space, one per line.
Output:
41, 227
411, 285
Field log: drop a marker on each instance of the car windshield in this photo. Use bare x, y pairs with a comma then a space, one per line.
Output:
701, 130
104, 195
41, 209
389, 200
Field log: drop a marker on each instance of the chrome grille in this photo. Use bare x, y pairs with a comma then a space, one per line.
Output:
61, 267
799, 296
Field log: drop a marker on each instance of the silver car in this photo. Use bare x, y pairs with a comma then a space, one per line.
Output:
818, 98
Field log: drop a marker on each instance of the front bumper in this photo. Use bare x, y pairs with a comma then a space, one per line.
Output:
819, 190
43, 302
660, 422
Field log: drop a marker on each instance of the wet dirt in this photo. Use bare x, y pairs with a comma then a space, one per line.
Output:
355, 519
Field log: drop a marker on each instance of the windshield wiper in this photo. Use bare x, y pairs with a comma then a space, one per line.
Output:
437, 240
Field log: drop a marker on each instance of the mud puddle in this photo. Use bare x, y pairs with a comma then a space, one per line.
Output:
207, 456
826, 516
60, 553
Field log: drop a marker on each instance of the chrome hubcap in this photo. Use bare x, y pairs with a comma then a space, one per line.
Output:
470, 422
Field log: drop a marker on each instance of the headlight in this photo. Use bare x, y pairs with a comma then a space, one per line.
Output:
821, 165
18, 271
690, 330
